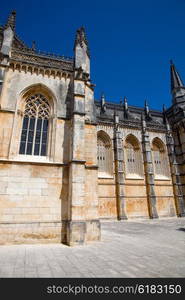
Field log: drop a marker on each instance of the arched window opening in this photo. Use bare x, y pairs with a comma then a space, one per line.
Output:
160, 160
133, 157
104, 154
34, 134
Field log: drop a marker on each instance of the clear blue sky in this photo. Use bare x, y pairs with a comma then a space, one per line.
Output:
131, 42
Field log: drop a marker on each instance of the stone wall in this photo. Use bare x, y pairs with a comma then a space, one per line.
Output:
136, 198
30, 201
16, 82
6, 121
107, 198
165, 198
136, 194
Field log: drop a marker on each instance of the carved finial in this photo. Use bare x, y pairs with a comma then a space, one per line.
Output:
81, 39
33, 45
125, 106
146, 109
11, 20
125, 103
103, 98
164, 108
103, 105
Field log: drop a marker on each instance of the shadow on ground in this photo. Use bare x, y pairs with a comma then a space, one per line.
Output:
181, 229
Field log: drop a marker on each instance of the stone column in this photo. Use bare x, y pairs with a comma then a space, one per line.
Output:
149, 172
176, 178
118, 158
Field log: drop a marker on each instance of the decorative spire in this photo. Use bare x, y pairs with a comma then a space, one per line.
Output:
102, 99
164, 109
11, 20
33, 47
125, 105
103, 105
147, 112
81, 39
176, 81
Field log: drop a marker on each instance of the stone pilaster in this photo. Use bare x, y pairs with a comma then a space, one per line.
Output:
83, 224
180, 128
2, 71
149, 172
176, 178
76, 226
119, 175
8, 35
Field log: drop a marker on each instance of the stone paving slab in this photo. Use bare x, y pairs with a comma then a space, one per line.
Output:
131, 249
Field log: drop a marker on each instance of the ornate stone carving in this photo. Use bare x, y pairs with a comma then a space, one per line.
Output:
41, 60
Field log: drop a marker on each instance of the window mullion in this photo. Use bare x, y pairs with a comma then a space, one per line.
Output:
27, 135
30, 144
41, 132
34, 135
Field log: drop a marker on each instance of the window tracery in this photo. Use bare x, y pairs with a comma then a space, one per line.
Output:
160, 160
104, 154
34, 134
133, 157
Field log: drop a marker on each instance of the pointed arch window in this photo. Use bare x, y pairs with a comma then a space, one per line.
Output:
133, 158
34, 134
104, 155
160, 159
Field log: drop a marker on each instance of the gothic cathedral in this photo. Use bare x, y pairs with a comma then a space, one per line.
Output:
68, 161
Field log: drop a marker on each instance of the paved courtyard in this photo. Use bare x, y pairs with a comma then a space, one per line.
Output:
142, 248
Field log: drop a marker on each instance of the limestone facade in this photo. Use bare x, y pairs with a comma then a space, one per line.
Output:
68, 161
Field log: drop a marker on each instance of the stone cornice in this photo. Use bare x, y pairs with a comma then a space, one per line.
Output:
132, 109
91, 122
77, 161
40, 60
78, 113
7, 110
95, 167
39, 70
27, 162
133, 124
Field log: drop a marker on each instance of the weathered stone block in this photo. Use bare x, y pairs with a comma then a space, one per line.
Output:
76, 231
